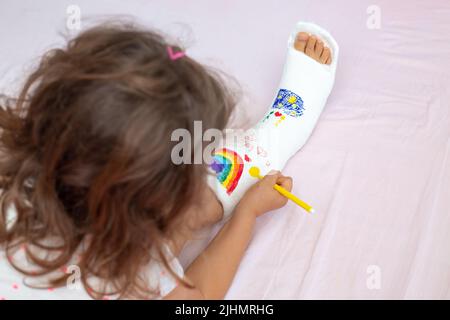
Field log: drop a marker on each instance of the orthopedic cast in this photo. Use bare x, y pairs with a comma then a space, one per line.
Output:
304, 88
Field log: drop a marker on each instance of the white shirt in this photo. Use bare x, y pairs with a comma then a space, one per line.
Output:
13, 284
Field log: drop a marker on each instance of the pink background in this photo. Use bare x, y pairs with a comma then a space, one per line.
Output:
377, 167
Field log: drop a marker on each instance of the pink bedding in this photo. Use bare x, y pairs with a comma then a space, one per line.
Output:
377, 167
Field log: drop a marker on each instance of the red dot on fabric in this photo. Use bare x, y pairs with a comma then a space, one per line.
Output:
15, 286
51, 289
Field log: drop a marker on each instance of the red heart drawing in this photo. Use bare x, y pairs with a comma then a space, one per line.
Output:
278, 114
247, 158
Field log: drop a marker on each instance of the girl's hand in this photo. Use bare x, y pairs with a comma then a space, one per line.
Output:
262, 197
209, 274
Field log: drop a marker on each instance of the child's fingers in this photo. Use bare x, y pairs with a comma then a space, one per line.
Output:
271, 178
277, 178
285, 182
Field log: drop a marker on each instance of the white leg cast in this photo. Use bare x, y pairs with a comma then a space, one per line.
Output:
285, 128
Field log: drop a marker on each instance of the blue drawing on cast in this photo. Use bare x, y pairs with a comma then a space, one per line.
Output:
289, 102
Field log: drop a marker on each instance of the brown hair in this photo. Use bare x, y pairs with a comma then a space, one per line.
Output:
85, 153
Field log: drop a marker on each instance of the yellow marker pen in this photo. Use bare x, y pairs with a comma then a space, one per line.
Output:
254, 172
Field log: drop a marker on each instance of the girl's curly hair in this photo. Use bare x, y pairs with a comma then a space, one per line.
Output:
86, 154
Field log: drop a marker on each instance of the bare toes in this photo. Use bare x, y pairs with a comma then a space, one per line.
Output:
310, 46
300, 41
313, 47
329, 59
325, 55
318, 50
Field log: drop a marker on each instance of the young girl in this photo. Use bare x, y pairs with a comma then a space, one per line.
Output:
90, 195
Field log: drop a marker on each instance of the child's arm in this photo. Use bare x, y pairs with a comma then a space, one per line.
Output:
212, 272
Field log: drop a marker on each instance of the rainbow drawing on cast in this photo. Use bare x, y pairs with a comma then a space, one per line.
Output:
228, 166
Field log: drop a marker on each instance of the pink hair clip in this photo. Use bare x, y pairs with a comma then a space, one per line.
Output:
174, 55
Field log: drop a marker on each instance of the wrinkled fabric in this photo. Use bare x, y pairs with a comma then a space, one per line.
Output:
377, 166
